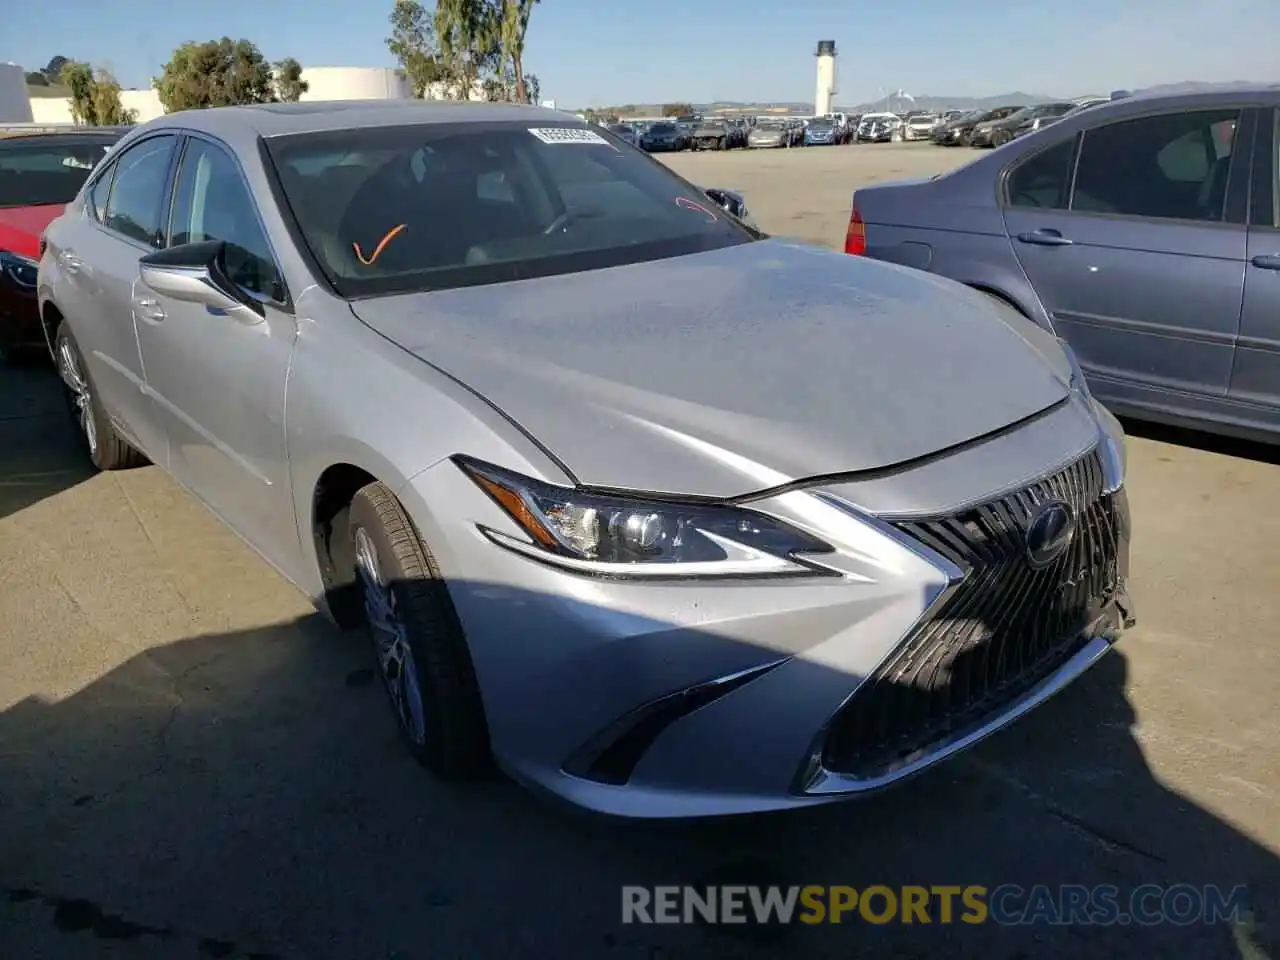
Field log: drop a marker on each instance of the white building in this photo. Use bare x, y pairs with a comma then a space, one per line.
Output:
324, 83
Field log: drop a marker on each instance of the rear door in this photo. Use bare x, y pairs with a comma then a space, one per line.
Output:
97, 261
1129, 240
1256, 379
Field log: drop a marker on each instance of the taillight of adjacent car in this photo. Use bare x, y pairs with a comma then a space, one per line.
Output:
855, 238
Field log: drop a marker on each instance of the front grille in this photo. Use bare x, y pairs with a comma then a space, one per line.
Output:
1002, 630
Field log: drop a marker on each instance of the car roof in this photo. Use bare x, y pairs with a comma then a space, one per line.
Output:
57, 137
318, 116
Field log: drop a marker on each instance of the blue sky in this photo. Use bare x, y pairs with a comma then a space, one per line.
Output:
588, 52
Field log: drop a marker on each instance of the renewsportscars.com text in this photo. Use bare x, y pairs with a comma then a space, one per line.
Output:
1007, 905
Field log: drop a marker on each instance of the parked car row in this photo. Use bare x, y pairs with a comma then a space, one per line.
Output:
590, 558
1144, 231
997, 126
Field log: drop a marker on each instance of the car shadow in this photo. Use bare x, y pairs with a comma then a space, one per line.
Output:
40, 453
246, 794
1202, 440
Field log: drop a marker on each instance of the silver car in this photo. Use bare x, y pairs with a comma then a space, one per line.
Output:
663, 516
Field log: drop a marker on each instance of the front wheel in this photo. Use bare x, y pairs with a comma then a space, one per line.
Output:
106, 448
421, 653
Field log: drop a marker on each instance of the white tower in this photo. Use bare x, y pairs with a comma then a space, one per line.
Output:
826, 77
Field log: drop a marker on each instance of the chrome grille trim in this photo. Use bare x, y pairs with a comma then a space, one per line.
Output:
1001, 631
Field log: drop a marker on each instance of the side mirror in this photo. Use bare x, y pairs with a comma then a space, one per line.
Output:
196, 273
729, 201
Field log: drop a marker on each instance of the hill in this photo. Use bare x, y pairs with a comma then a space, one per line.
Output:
52, 90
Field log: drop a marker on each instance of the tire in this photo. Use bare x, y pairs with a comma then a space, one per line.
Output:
107, 450
418, 644
895, 137
721, 144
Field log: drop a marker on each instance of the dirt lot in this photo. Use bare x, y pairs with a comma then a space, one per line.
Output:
193, 765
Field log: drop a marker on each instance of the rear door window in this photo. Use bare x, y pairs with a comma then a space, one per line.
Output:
1172, 166
1042, 180
138, 190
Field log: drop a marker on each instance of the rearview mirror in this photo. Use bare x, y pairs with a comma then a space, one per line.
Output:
195, 273
729, 201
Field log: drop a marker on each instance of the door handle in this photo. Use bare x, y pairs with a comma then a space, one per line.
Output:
69, 261
149, 309
1046, 237
1267, 261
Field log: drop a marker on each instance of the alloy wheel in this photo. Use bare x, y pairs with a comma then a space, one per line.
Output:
391, 641
79, 394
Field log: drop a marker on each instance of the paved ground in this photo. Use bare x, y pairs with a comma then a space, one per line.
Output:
192, 765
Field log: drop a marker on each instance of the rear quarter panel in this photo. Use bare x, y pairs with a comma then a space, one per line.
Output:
951, 226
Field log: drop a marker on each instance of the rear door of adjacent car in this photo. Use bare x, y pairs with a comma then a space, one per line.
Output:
1256, 378
1133, 235
97, 260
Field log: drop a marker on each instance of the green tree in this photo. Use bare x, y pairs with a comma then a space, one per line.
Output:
470, 36
53, 69
217, 73
108, 109
288, 79
413, 44
513, 24
78, 79
95, 97
533, 87
677, 109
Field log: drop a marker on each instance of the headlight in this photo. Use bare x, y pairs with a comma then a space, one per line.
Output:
621, 536
21, 270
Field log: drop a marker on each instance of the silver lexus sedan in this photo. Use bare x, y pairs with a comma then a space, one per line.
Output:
663, 516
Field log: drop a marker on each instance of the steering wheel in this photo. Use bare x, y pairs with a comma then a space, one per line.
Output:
566, 219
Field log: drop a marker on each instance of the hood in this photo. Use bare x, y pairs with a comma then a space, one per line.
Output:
722, 373
20, 227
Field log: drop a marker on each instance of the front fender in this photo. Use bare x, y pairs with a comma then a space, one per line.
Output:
355, 398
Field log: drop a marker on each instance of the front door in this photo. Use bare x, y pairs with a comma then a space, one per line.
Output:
1134, 259
1256, 380
219, 378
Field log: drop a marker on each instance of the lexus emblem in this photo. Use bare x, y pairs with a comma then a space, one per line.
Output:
1052, 527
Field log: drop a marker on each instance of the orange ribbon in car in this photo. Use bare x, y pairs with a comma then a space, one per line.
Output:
377, 251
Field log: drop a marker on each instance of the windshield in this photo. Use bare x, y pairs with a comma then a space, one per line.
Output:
662, 128
770, 125
447, 205
620, 129
43, 170
819, 124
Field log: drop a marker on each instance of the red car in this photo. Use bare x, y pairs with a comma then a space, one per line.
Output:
39, 174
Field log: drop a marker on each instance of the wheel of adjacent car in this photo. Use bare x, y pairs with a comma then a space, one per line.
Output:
721, 144
420, 652
999, 138
107, 449
895, 136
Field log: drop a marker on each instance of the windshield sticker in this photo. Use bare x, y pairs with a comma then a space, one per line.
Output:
569, 135
688, 204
